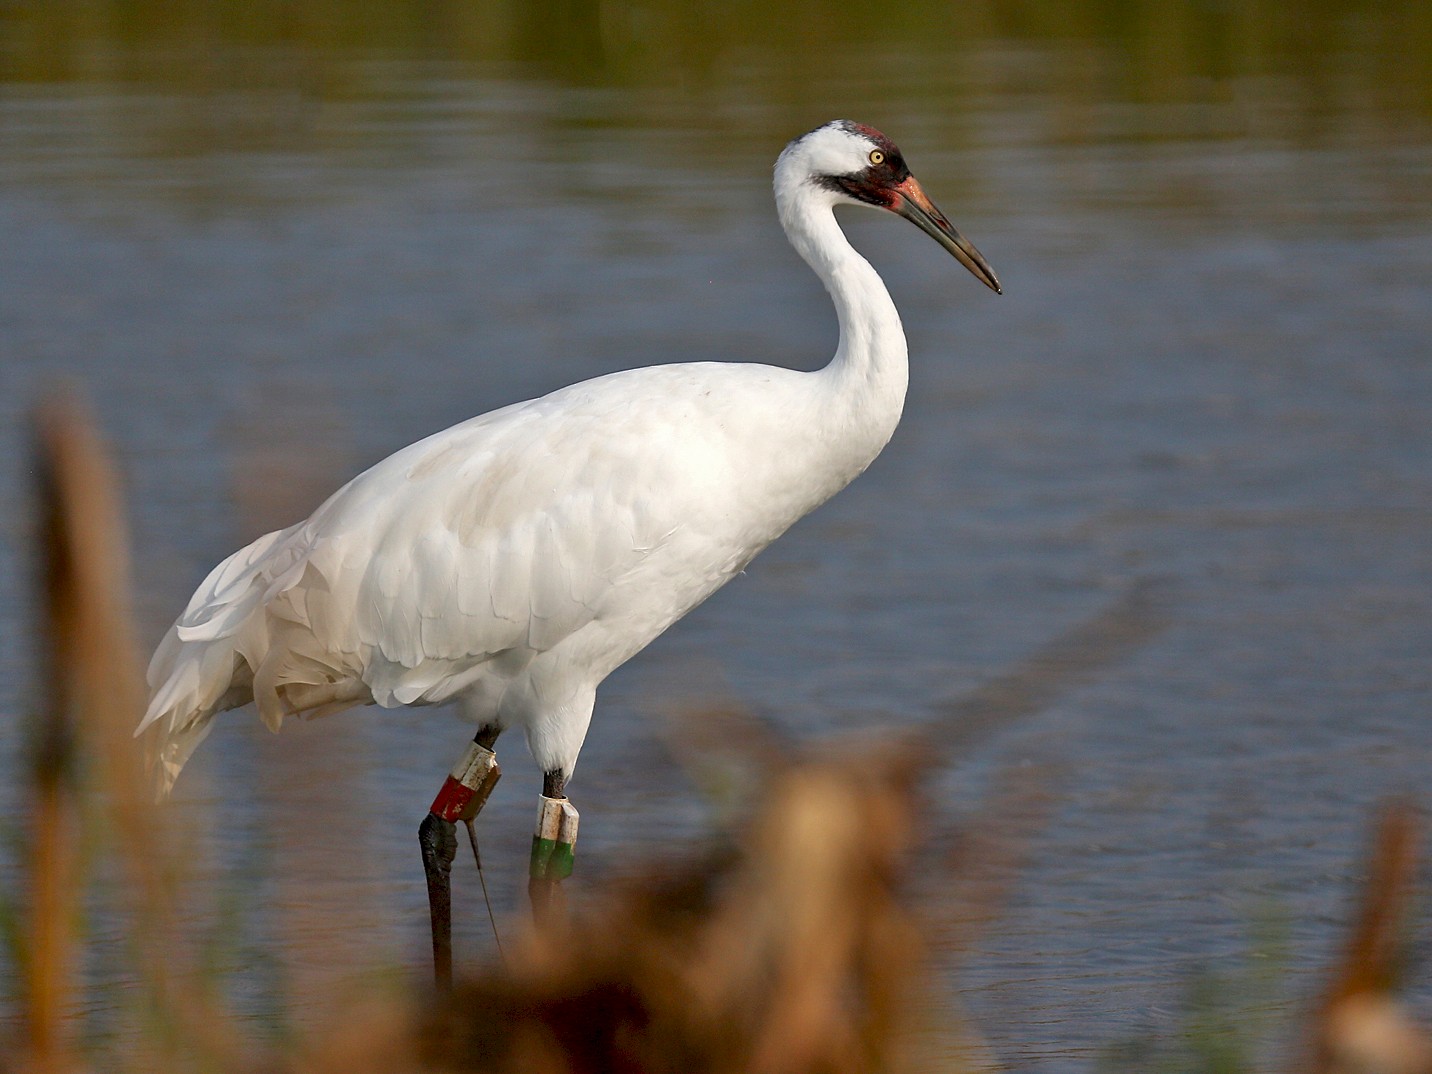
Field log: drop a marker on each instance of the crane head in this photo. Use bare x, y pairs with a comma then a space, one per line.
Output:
859, 165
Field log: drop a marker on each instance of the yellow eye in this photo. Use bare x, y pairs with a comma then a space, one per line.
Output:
877, 157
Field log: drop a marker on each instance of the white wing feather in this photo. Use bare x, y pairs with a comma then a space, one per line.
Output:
459, 563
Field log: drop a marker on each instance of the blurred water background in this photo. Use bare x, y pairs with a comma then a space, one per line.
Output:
276, 242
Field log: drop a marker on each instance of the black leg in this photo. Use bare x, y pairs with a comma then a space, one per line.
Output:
438, 838
554, 784
463, 795
553, 848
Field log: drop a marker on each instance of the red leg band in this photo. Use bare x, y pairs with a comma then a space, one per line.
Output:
452, 800
466, 789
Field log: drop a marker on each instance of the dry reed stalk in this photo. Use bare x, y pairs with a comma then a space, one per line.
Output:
79, 607
46, 987
1069, 660
1359, 1027
979, 862
92, 762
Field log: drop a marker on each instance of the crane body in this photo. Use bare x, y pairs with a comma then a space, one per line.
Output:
513, 561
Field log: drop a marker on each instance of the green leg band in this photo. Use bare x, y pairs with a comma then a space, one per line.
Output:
554, 846
551, 860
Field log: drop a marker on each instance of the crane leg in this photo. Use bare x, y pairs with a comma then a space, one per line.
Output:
553, 849
462, 797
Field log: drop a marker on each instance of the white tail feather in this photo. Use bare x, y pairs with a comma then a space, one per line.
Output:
200, 668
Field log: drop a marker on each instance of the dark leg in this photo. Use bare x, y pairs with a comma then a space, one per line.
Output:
553, 848
438, 838
554, 785
463, 795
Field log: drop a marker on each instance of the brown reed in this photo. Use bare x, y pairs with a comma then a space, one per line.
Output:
1360, 1026
87, 771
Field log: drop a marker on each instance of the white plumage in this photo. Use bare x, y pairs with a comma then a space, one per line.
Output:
514, 560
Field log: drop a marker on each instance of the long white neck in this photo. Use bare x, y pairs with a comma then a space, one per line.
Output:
865, 382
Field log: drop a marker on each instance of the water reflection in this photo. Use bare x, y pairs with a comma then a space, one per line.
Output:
231, 101
279, 242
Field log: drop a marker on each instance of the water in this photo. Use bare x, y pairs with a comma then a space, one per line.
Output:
1210, 370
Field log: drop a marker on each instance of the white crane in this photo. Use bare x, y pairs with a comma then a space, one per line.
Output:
513, 561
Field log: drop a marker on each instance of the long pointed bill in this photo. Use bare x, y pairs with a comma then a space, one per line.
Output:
914, 205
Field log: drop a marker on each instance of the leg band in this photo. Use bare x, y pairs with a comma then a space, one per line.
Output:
554, 845
467, 787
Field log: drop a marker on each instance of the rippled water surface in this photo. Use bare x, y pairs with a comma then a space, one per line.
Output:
271, 262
